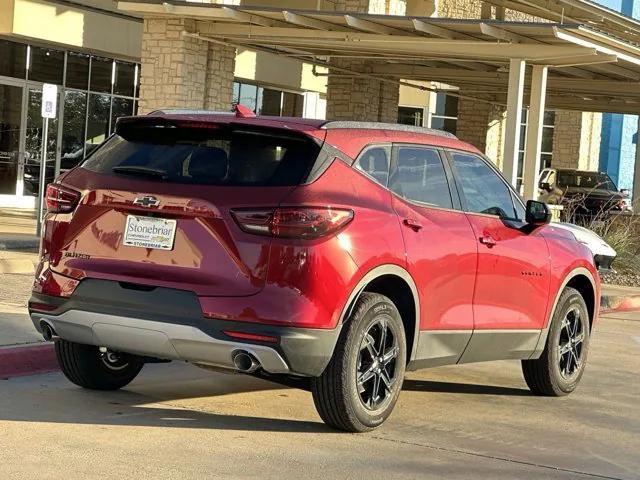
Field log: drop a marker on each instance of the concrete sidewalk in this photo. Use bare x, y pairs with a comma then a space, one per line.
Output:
18, 241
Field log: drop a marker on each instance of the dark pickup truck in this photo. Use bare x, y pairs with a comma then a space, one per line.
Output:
584, 193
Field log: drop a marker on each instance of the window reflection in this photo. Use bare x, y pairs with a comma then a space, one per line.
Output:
73, 125
121, 107
98, 118
101, 71
46, 65
77, 71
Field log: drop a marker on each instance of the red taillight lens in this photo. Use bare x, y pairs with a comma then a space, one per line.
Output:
293, 222
61, 199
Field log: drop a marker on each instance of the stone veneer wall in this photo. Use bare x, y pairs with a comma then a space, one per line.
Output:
576, 140
351, 97
183, 72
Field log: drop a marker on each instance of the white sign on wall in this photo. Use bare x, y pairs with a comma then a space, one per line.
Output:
49, 100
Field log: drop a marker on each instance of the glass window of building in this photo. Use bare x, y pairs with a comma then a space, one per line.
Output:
411, 116
13, 59
93, 93
98, 118
77, 71
445, 115
292, 104
268, 101
121, 107
73, 129
10, 116
546, 144
101, 74
46, 65
125, 79
271, 102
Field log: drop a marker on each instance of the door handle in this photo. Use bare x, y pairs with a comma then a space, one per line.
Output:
412, 224
487, 240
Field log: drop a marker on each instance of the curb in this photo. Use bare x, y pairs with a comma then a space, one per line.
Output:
27, 360
20, 244
614, 304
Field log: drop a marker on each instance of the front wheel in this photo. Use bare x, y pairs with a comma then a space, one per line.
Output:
560, 367
89, 367
360, 386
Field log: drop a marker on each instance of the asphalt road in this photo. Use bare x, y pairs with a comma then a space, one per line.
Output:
473, 421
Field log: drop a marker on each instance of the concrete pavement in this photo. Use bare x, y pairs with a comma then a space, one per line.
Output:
473, 421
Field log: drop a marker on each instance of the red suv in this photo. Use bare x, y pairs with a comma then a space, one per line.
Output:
343, 253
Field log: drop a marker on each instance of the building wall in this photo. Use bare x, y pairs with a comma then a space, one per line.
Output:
71, 26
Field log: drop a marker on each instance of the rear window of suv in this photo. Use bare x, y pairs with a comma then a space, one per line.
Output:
207, 154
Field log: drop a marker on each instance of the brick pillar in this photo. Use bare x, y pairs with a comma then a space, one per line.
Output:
576, 140
180, 71
361, 98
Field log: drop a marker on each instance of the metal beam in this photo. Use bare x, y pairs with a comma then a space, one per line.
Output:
251, 18
304, 21
368, 26
533, 141
437, 31
514, 116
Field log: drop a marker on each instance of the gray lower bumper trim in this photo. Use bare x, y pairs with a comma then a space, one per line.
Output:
155, 339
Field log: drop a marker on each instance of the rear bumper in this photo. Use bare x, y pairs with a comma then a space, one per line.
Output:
167, 324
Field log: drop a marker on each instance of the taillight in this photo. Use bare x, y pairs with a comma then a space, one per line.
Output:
293, 222
61, 199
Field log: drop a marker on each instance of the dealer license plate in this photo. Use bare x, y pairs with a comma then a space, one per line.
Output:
148, 232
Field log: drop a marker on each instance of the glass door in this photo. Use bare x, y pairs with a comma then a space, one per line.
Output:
10, 125
33, 143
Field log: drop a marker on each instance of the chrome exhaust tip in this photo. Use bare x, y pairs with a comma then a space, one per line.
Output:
245, 362
48, 333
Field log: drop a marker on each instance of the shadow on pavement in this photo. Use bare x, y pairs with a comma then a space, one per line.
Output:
449, 387
149, 402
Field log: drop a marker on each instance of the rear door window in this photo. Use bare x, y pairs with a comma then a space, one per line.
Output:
418, 175
207, 154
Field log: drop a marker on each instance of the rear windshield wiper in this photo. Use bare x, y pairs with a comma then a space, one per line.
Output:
142, 171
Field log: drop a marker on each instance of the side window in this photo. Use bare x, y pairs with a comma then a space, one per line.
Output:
419, 176
375, 162
483, 189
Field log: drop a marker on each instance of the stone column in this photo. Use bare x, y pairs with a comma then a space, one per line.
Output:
179, 71
576, 140
352, 97
221, 61
357, 98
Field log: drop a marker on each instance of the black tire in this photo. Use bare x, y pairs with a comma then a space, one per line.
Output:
339, 401
550, 374
87, 367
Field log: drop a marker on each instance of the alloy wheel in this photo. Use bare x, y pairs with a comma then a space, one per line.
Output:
376, 367
570, 346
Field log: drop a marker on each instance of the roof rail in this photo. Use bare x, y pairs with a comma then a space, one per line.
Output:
386, 126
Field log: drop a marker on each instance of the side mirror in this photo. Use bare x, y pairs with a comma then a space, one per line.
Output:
537, 213
624, 191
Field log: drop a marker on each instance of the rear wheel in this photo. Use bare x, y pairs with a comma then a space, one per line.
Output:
89, 367
360, 386
560, 367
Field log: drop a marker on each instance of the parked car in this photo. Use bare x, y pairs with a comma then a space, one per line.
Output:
603, 253
585, 193
338, 253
